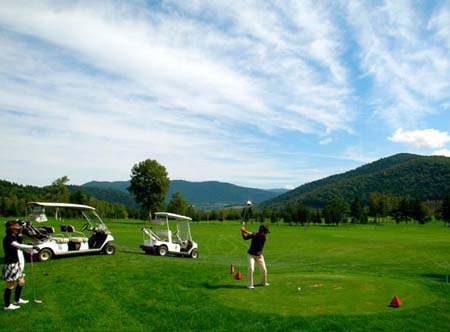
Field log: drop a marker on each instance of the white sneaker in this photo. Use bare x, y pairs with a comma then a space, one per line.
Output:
251, 287
12, 307
21, 301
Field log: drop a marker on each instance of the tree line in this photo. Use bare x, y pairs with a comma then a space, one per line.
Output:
380, 206
14, 198
149, 185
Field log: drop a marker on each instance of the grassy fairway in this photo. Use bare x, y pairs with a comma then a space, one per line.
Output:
347, 276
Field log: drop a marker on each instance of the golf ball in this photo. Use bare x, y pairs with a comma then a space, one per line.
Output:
299, 289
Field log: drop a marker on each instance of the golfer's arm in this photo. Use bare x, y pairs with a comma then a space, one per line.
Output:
247, 235
21, 246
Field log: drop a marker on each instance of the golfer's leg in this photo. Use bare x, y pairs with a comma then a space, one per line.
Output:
262, 269
7, 295
251, 268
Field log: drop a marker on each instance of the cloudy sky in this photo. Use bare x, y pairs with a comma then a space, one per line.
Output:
264, 94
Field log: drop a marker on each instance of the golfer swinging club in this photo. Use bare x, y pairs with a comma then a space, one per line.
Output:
13, 270
255, 254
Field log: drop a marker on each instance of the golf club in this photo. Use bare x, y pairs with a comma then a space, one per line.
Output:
32, 279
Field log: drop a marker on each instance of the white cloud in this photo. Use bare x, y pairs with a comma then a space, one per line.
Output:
212, 89
404, 52
209, 83
176, 61
442, 152
326, 141
427, 138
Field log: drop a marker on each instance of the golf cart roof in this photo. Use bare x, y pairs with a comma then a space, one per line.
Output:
172, 215
63, 205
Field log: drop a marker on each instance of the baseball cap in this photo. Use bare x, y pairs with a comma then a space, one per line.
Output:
264, 228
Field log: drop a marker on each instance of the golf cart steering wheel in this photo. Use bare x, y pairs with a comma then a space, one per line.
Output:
85, 227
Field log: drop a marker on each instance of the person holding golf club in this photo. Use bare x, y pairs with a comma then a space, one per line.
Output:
255, 254
12, 269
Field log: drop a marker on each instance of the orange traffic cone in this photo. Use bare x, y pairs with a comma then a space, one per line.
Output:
238, 276
396, 302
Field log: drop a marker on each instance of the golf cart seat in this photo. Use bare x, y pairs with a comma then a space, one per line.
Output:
186, 245
78, 239
58, 239
70, 229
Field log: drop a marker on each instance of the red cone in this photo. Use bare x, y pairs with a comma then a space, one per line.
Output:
396, 302
238, 276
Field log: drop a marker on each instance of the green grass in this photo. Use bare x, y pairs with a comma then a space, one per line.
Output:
348, 276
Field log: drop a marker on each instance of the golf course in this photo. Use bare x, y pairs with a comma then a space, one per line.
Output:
322, 278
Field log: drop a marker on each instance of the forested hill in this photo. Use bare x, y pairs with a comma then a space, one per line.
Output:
203, 195
408, 175
111, 195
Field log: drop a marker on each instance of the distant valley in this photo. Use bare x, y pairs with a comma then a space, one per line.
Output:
202, 195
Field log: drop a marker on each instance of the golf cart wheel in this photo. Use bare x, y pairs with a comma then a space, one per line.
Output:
44, 255
109, 249
194, 254
162, 250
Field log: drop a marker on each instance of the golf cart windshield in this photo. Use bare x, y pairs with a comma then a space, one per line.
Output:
181, 231
65, 210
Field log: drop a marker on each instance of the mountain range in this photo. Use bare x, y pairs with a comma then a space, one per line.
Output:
406, 175
203, 195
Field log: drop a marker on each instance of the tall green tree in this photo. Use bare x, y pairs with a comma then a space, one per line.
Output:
402, 210
446, 209
58, 191
380, 205
316, 217
149, 184
78, 197
303, 214
190, 212
356, 210
336, 211
290, 213
177, 204
119, 211
420, 211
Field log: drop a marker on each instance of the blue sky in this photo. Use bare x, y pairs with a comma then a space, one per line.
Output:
263, 94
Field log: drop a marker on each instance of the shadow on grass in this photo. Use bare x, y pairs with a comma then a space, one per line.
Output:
438, 277
227, 286
131, 251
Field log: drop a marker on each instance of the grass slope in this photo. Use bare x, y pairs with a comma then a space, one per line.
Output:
348, 276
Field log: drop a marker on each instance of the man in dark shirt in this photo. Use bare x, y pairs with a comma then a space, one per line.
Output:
255, 254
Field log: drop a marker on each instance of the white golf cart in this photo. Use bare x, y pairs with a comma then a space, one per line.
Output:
162, 240
67, 240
